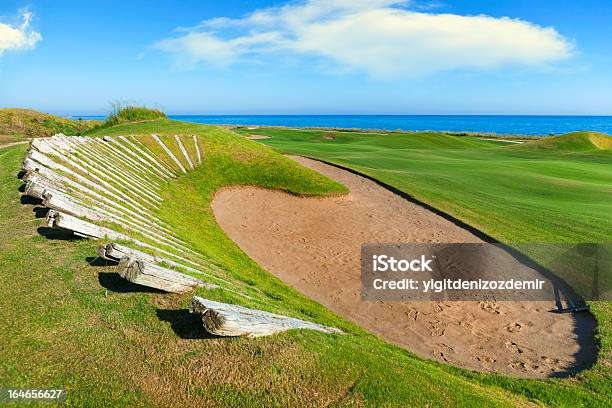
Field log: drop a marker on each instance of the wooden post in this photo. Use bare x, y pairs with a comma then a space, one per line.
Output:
222, 319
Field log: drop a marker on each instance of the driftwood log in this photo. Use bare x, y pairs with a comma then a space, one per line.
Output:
154, 276
222, 319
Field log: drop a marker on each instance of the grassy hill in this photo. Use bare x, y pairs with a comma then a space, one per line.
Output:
67, 321
571, 142
19, 124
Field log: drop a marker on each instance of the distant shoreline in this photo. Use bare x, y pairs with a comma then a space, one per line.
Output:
488, 125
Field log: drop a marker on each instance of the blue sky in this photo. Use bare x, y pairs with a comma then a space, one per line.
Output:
309, 57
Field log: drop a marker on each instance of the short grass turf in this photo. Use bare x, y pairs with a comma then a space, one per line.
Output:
68, 321
551, 190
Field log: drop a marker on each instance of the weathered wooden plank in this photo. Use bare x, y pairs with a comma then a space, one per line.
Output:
169, 153
63, 152
59, 202
116, 252
34, 189
197, 148
111, 156
118, 153
114, 173
154, 276
56, 219
75, 188
107, 189
108, 178
126, 156
139, 150
31, 166
183, 150
222, 319
64, 204
90, 208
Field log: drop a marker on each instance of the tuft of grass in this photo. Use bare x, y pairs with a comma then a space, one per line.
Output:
132, 113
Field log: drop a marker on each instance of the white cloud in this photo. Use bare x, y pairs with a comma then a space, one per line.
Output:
18, 37
379, 37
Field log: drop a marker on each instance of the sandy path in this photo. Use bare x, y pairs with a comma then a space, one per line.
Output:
313, 244
2, 146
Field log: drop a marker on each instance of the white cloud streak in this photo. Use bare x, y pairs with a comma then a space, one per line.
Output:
379, 37
18, 37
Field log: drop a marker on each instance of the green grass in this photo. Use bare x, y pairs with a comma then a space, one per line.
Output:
551, 190
62, 327
20, 124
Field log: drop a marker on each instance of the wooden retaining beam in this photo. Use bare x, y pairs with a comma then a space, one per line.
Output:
47, 177
110, 161
169, 153
143, 154
197, 149
183, 150
154, 276
222, 319
56, 219
115, 252
64, 203
65, 153
131, 159
60, 202
109, 177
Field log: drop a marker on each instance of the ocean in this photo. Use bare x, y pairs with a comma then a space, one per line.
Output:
523, 125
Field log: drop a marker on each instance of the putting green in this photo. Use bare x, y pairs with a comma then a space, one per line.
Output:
557, 189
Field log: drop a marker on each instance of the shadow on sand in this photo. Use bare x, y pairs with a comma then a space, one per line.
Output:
584, 332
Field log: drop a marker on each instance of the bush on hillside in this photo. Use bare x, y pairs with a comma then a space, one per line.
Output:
132, 113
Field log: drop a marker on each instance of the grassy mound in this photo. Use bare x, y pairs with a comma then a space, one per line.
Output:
81, 328
18, 124
123, 114
571, 142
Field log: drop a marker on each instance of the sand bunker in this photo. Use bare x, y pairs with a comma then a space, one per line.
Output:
314, 245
